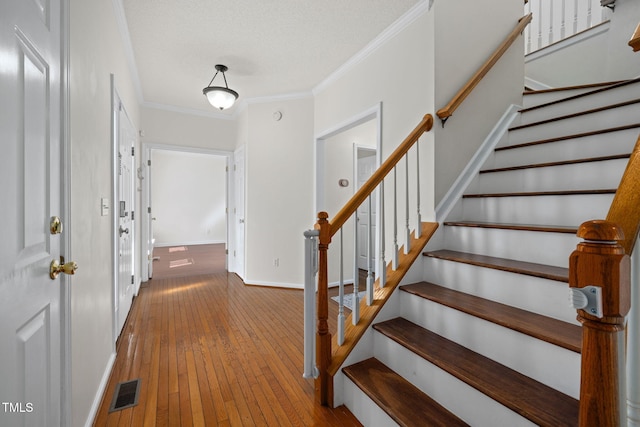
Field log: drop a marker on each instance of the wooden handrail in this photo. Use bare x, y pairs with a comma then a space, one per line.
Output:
625, 207
367, 188
447, 111
635, 40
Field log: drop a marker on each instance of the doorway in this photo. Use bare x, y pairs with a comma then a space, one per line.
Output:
185, 195
124, 142
339, 174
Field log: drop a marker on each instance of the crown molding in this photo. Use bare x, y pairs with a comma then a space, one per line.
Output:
420, 8
189, 111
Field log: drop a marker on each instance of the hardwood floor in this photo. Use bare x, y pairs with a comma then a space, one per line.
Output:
211, 351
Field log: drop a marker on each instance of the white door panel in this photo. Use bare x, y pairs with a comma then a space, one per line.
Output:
365, 168
30, 172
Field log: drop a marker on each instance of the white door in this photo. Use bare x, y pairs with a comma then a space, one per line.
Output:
366, 165
31, 184
238, 212
124, 285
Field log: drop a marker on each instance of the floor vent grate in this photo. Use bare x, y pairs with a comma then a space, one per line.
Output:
125, 395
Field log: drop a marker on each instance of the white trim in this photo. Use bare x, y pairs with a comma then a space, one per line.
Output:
257, 282
535, 85
102, 388
186, 149
212, 114
115, 102
194, 243
569, 41
399, 25
471, 170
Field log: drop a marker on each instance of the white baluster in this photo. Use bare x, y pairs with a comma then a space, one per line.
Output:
540, 25
341, 296
575, 17
355, 310
633, 344
419, 227
563, 18
527, 30
310, 270
407, 246
369, 253
394, 255
589, 8
382, 269
550, 21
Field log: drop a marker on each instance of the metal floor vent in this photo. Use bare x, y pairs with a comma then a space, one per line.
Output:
125, 395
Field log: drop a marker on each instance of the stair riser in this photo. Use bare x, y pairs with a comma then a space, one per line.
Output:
535, 99
541, 247
543, 296
458, 397
549, 364
579, 176
570, 210
621, 142
584, 123
612, 96
365, 409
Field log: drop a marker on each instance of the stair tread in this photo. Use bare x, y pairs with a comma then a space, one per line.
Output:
512, 226
403, 401
551, 330
559, 163
521, 267
566, 88
606, 87
578, 114
542, 193
535, 401
567, 137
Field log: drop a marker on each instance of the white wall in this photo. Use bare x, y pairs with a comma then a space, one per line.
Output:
279, 191
174, 128
95, 52
189, 198
602, 55
463, 44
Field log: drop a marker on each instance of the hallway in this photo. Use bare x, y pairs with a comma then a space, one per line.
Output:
210, 351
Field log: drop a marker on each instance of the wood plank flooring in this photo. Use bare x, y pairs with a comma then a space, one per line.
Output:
211, 351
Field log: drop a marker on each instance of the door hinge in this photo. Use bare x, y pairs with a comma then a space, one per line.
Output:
132, 216
226, 251
226, 168
132, 279
133, 151
148, 162
149, 209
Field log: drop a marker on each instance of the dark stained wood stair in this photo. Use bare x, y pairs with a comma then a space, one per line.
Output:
541, 327
535, 401
522, 267
404, 402
508, 226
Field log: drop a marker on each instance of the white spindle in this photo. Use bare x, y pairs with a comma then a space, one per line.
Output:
550, 21
341, 295
419, 227
563, 17
575, 16
355, 310
382, 268
369, 253
540, 24
589, 8
310, 269
528, 29
407, 245
633, 344
394, 255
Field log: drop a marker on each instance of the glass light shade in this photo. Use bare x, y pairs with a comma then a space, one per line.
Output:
220, 97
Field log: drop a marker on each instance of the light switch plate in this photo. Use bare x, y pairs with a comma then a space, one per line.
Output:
104, 206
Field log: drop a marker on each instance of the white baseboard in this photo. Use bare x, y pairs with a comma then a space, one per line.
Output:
197, 242
100, 392
252, 282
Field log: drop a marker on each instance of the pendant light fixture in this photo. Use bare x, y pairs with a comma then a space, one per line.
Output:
218, 96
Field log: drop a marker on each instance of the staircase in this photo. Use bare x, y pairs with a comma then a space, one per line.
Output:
488, 337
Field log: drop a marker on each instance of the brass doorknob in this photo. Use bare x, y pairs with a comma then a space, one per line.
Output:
56, 267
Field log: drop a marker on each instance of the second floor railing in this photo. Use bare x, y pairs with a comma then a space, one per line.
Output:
556, 20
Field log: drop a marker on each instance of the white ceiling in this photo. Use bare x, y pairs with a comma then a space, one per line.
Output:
273, 48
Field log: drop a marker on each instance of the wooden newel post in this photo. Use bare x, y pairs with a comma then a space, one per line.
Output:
323, 337
601, 270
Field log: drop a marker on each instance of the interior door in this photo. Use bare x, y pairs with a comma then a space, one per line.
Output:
366, 165
31, 177
125, 287
238, 213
